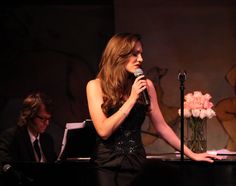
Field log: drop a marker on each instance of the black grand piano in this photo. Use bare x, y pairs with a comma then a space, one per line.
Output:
167, 169
73, 168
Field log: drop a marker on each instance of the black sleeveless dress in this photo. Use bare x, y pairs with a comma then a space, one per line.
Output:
119, 159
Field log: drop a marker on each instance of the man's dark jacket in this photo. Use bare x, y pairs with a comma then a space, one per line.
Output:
15, 146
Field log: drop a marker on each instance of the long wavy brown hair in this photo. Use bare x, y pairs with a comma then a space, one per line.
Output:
116, 81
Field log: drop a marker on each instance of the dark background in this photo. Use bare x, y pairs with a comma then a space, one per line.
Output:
55, 46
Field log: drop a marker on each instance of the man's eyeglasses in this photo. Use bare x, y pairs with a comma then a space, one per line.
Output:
43, 119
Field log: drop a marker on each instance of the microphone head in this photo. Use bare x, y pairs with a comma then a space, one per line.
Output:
182, 76
6, 167
138, 72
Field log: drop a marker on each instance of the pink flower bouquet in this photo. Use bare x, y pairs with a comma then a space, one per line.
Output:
197, 105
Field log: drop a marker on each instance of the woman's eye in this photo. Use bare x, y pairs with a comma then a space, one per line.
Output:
135, 54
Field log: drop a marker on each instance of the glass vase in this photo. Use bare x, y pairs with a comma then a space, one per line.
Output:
197, 134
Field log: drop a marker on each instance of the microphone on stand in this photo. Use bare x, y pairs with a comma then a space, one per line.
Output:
182, 76
12, 175
15, 177
138, 72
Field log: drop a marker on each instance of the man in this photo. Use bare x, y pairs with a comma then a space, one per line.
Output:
28, 141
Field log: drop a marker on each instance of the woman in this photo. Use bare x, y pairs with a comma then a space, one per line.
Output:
117, 110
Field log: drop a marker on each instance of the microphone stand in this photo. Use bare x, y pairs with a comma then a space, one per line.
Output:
182, 78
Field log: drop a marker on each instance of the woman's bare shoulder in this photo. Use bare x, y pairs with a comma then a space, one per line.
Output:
94, 85
94, 82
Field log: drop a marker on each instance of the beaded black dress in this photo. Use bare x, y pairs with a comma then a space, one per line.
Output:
119, 159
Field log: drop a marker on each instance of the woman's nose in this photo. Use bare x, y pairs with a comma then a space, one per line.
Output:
140, 58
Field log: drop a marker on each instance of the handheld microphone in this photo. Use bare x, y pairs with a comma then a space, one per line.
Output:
138, 72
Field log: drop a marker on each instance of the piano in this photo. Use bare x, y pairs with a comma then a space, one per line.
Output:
165, 168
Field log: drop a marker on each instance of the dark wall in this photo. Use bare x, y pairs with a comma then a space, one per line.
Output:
55, 48
192, 35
